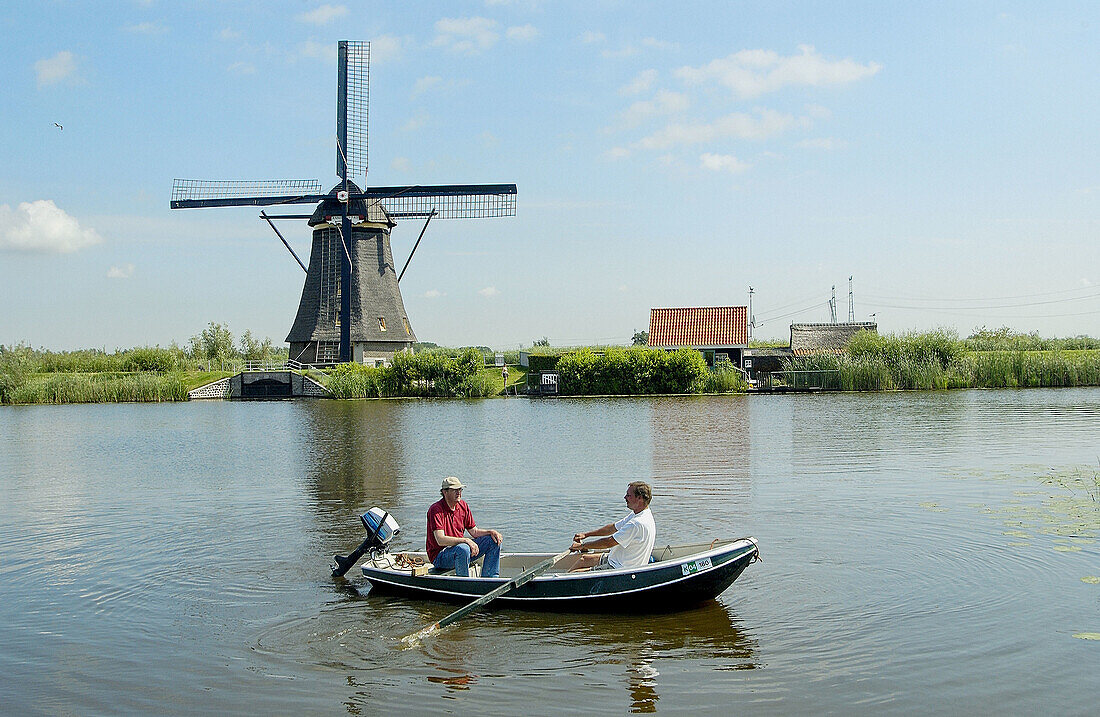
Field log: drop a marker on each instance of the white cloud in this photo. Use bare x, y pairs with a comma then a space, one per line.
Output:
466, 35
617, 153
738, 125
146, 28
401, 164
722, 163
826, 143
55, 69
424, 84
655, 44
489, 291
242, 68
121, 272
522, 33
416, 123
750, 73
318, 50
40, 226
663, 103
433, 294
643, 82
386, 47
228, 33
623, 52
323, 14
589, 37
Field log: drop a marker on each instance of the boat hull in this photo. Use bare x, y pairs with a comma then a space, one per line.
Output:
670, 584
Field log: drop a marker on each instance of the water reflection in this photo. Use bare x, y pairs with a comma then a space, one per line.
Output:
353, 451
701, 457
513, 644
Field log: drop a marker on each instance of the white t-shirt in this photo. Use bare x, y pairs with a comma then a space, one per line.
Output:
635, 534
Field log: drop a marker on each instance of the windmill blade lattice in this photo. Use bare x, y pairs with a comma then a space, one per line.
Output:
352, 100
198, 193
448, 201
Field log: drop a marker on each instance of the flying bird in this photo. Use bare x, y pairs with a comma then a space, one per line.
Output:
58, 126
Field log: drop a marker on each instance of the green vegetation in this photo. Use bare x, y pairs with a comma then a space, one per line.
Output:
636, 370
939, 360
99, 388
430, 373
872, 362
1004, 339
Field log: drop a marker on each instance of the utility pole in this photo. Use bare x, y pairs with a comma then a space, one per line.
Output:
851, 304
832, 305
752, 321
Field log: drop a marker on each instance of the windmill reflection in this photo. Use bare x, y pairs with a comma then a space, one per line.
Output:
353, 455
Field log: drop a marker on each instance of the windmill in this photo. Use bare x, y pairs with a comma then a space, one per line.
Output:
351, 306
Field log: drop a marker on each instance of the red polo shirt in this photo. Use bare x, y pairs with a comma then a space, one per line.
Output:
453, 523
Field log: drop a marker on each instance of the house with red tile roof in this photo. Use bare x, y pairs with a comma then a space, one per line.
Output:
718, 332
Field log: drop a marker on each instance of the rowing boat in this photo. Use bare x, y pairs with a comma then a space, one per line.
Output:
677, 577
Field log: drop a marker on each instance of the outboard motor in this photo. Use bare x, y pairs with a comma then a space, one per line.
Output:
381, 529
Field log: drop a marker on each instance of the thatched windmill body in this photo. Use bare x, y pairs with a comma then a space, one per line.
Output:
351, 306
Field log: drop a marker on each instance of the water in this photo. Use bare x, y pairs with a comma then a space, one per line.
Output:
174, 558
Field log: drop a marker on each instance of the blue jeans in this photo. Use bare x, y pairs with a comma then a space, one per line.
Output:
458, 557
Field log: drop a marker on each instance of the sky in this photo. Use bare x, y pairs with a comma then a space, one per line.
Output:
942, 159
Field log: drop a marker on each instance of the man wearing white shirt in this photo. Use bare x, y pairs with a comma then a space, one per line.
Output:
630, 539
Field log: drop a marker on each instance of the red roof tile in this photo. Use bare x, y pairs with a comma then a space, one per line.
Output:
707, 326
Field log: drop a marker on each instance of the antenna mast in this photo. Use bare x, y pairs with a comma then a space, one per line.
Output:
832, 305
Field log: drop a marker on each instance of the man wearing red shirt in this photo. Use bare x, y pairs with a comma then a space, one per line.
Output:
449, 519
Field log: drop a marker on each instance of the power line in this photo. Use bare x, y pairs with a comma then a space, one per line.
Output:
990, 298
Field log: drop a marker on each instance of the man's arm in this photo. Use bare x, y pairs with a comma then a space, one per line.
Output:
478, 532
603, 542
445, 541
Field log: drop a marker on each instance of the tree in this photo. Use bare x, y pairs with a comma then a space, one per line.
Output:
641, 338
541, 342
254, 350
215, 343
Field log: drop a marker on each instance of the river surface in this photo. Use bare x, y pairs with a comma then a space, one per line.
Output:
922, 552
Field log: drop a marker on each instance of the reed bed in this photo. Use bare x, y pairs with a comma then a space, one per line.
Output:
99, 388
980, 369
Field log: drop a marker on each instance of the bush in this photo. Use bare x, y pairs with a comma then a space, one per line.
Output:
150, 359
632, 371
429, 373
14, 370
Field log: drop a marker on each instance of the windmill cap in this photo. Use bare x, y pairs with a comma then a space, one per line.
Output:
452, 483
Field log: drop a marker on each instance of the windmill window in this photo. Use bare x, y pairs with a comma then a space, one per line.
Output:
381, 323
408, 331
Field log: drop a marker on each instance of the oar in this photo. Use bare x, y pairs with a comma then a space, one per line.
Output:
525, 576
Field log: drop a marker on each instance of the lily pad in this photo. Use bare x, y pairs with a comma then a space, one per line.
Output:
1067, 548
1087, 635
1091, 579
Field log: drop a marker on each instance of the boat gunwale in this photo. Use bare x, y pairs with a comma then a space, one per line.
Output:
424, 583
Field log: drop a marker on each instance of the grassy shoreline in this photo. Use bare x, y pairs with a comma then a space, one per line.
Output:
872, 362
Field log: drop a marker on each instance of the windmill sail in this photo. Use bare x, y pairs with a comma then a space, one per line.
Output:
199, 193
448, 201
352, 99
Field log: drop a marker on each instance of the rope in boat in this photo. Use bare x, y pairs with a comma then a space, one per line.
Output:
406, 561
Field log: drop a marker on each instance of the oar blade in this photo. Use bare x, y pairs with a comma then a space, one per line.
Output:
521, 579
